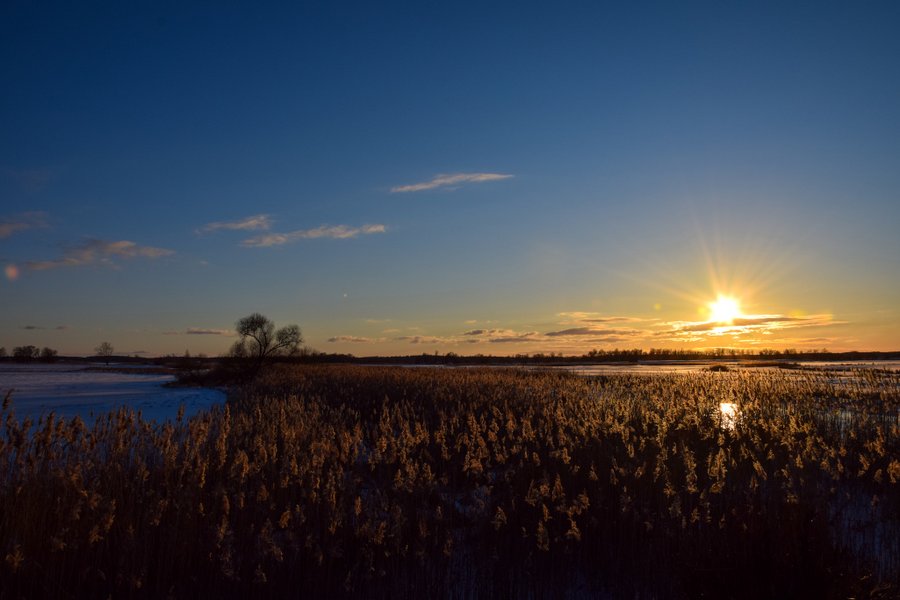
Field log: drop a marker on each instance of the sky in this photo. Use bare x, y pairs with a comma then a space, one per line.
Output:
469, 177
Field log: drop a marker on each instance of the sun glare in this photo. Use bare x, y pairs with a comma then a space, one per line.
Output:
724, 310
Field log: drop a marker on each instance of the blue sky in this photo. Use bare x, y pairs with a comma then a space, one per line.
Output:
394, 177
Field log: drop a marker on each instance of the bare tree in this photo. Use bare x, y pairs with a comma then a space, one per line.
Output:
104, 350
260, 341
26, 353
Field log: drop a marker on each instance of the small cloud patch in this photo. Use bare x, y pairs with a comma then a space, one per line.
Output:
353, 339
442, 181
337, 232
203, 331
94, 251
22, 222
252, 223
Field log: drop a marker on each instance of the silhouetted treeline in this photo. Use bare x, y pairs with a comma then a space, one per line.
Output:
635, 355
29, 354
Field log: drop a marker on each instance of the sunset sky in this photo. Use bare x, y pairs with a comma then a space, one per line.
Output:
400, 178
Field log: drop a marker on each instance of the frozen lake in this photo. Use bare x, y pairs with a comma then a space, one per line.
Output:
69, 390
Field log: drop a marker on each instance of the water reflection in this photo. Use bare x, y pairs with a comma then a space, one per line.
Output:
729, 414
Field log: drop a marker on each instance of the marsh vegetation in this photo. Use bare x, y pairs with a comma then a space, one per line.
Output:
386, 482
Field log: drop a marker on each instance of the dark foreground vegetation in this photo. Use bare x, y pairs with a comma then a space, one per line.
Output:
388, 482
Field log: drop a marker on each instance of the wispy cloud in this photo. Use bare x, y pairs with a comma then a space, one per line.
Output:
528, 336
252, 223
200, 331
578, 332
339, 232
94, 251
34, 327
422, 339
592, 317
494, 334
593, 331
22, 222
204, 331
748, 324
439, 181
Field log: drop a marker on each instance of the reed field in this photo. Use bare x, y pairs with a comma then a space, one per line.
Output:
325, 481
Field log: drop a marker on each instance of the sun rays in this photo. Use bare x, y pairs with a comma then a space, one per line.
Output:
725, 309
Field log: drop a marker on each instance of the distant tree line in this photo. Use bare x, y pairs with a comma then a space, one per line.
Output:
30, 353
595, 356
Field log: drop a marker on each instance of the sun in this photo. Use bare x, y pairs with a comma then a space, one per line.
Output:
724, 310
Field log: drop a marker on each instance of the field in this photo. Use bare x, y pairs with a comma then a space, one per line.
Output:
392, 482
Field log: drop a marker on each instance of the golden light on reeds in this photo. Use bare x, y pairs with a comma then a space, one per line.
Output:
346, 481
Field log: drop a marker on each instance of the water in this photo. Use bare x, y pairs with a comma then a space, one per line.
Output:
664, 367
69, 390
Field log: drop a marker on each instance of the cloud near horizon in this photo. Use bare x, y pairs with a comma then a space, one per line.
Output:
251, 223
552, 340
421, 339
354, 339
748, 324
94, 251
338, 232
201, 331
206, 331
439, 181
645, 332
593, 317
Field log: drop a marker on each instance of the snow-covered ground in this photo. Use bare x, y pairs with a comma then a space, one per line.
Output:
70, 390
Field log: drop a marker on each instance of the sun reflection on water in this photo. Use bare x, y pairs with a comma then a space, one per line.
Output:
729, 414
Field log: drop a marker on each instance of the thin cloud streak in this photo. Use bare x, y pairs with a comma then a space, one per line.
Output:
36, 327
693, 331
338, 232
634, 332
756, 322
592, 317
24, 222
592, 331
252, 223
205, 331
439, 181
421, 339
201, 331
94, 251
